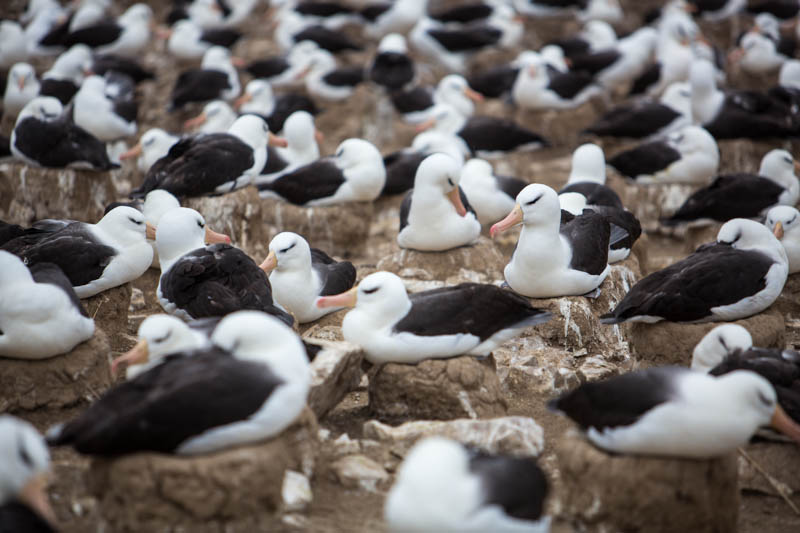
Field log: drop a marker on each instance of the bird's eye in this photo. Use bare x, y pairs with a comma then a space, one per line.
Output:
534, 200
450, 181
722, 342
370, 291
162, 339
212, 112
287, 248
788, 160
148, 142
24, 455
793, 219
200, 223
766, 401
339, 152
137, 222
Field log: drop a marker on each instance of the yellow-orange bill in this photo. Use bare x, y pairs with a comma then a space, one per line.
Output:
345, 299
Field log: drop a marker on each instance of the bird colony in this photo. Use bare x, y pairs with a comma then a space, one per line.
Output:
410, 265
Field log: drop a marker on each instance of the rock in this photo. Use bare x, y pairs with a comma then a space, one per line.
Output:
480, 263
602, 492
334, 372
30, 193
340, 230
147, 283
562, 127
214, 492
328, 328
359, 472
513, 435
650, 203
110, 312
670, 343
576, 324
296, 491
744, 155
241, 215
79, 376
774, 458
437, 389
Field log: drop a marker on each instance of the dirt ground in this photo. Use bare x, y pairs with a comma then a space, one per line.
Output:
335, 508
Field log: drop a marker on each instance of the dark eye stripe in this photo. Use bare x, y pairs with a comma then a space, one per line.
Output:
288, 248
535, 200
370, 291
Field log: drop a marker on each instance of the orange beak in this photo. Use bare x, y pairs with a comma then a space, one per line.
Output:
428, 124
34, 495
346, 299
778, 231
138, 355
735, 55
196, 121
150, 231
274, 140
318, 136
136, 151
455, 198
21, 83
784, 424
475, 96
270, 263
246, 97
212, 237
238, 62
163, 33
513, 218
302, 74
532, 71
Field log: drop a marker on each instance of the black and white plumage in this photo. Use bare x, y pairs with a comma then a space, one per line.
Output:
125, 36
588, 177
739, 275
103, 64
211, 163
443, 486
107, 117
401, 166
45, 136
784, 221
730, 347
300, 274
625, 227
647, 118
485, 136
736, 114
248, 386
420, 103
596, 35
215, 79
301, 146
41, 316
201, 281
24, 504
152, 146
65, 76
94, 257
258, 99
392, 68
536, 88
492, 197
743, 195
400, 16
293, 28
325, 80
465, 319
689, 155
552, 259
621, 64
451, 47
189, 41
433, 215
284, 70
355, 173
677, 412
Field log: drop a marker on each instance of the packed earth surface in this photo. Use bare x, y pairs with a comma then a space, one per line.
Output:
364, 419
